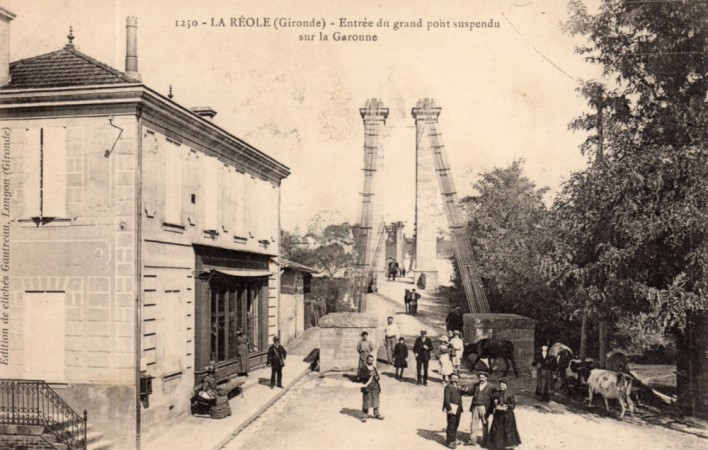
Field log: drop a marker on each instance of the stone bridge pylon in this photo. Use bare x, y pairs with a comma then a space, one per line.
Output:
433, 177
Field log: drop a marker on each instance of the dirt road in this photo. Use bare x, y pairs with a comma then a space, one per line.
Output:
324, 413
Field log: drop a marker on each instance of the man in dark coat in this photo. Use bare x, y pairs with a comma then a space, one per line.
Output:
452, 405
454, 319
276, 361
421, 349
414, 302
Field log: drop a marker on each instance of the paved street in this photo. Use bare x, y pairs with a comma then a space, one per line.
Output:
323, 413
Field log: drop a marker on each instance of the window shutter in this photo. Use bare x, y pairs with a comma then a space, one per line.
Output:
274, 213
152, 161
211, 193
32, 168
239, 204
54, 172
173, 185
226, 195
252, 207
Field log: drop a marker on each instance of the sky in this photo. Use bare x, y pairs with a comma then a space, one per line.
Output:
506, 92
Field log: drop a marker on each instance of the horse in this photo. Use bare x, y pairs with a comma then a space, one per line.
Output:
563, 355
491, 349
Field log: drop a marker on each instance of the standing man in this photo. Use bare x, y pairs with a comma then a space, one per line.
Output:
454, 319
481, 396
407, 297
459, 346
421, 349
414, 302
391, 332
276, 361
452, 405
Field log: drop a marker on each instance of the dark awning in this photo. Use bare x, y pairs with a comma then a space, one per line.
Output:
241, 273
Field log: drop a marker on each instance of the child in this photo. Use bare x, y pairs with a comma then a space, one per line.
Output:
400, 354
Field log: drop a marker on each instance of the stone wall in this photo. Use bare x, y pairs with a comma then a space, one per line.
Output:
339, 335
517, 329
27, 437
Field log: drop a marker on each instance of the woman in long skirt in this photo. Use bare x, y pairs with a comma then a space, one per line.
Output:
400, 356
446, 368
364, 348
371, 390
503, 433
242, 353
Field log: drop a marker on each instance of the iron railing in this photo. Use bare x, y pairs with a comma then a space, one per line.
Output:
34, 402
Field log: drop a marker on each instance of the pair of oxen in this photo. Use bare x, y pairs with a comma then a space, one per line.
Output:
615, 382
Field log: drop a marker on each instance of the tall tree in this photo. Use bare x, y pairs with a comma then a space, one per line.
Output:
633, 223
510, 230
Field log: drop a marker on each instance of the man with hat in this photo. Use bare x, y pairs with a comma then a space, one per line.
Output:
481, 396
391, 333
452, 405
414, 302
459, 346
421, 349
276, 361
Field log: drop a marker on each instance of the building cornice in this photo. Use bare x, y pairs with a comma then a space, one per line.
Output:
103, 99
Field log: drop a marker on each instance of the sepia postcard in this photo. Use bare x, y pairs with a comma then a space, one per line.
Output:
238, 224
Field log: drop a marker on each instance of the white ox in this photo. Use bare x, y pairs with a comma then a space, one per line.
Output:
611, 385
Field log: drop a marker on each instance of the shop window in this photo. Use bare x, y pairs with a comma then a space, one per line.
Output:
235, 306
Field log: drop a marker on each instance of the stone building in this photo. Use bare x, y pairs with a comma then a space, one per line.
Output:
142, 237
295, 291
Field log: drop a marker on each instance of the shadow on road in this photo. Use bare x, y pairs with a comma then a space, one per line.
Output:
667, 417
264, 381
435, 436
355, 413
403, 380
351, 377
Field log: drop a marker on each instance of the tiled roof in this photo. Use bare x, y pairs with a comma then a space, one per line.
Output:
297, 266
62, 68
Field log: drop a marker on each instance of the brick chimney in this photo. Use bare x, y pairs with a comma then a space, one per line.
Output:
131, 48
5, 18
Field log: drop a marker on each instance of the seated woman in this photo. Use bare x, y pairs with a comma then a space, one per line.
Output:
208, 391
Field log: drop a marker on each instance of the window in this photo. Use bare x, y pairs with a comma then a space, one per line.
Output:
235, 306
45, 173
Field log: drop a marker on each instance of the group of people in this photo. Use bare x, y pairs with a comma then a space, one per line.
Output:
395, 271
486, 402
410, 298
450, 354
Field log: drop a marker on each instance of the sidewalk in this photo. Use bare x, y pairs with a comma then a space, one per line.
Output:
190, 432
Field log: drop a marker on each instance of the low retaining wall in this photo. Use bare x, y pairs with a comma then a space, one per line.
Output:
339, 335
517, 329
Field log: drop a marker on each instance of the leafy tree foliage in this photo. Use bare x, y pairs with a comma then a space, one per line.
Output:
632, 226
329, 250
512, 234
